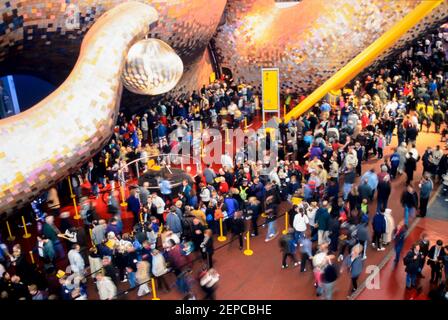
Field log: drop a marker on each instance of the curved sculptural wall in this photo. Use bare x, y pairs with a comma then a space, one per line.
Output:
43, 37
44, 144
310, 41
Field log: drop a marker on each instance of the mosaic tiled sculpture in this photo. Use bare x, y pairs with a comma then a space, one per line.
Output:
43, 37
47, 142
311, 40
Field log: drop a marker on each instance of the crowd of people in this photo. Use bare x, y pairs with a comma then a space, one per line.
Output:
320, 180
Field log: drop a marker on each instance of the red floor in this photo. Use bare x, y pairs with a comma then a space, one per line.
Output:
392, 279
260, 276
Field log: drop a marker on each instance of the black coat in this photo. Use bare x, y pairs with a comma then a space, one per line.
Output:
412, 262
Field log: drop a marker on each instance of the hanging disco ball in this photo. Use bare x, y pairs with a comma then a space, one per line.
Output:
152, 67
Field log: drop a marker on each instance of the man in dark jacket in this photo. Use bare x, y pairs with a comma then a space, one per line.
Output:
383, 193
365, 191
412, 261
436, 257
409, 200
322, 220
379, 228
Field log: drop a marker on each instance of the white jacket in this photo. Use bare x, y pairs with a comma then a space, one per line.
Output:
106, 288
300, 222
158, 265
390, 226
76, 261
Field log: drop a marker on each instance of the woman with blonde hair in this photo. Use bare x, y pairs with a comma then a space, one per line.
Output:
142, 276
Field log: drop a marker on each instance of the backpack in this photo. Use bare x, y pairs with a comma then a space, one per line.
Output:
243, 193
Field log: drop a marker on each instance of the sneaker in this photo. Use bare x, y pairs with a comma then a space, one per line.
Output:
253, 235
381, 249
364, 257
124, 280
373, 245
284, 266
296, 264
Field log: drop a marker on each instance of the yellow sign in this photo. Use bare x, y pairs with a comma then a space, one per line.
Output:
270, 87
212, 77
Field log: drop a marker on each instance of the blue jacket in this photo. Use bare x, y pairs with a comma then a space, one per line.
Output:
379, 223
133, 204
231, 206
173, 222
162, 131
354, 266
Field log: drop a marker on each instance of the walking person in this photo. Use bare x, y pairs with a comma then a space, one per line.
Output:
322, 220
329, 277
300, 224
409, 201
142, 277
426, 186
238, 228
436, 257
288, 248
208, 280
410, 167
412, 261
379, 228
207, 249
399, 237
354, 264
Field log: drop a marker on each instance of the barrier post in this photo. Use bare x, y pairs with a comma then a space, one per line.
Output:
154, 293
221, 237
26, 235
91, 237
75, 206
123, 201
286, 223
227, 136
32, 257
10, 237
245, 125
202, 149
141, 217
72, 195
248, 251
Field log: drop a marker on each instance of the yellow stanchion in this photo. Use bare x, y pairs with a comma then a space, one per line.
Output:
26, 235
246, 130
141, 217
72, 195
91, 237
75, 205
284, 110
248, 251
10, 237
221, 237
227, 136
286, 223
32, 257
202, 149
154, 293
123, 201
